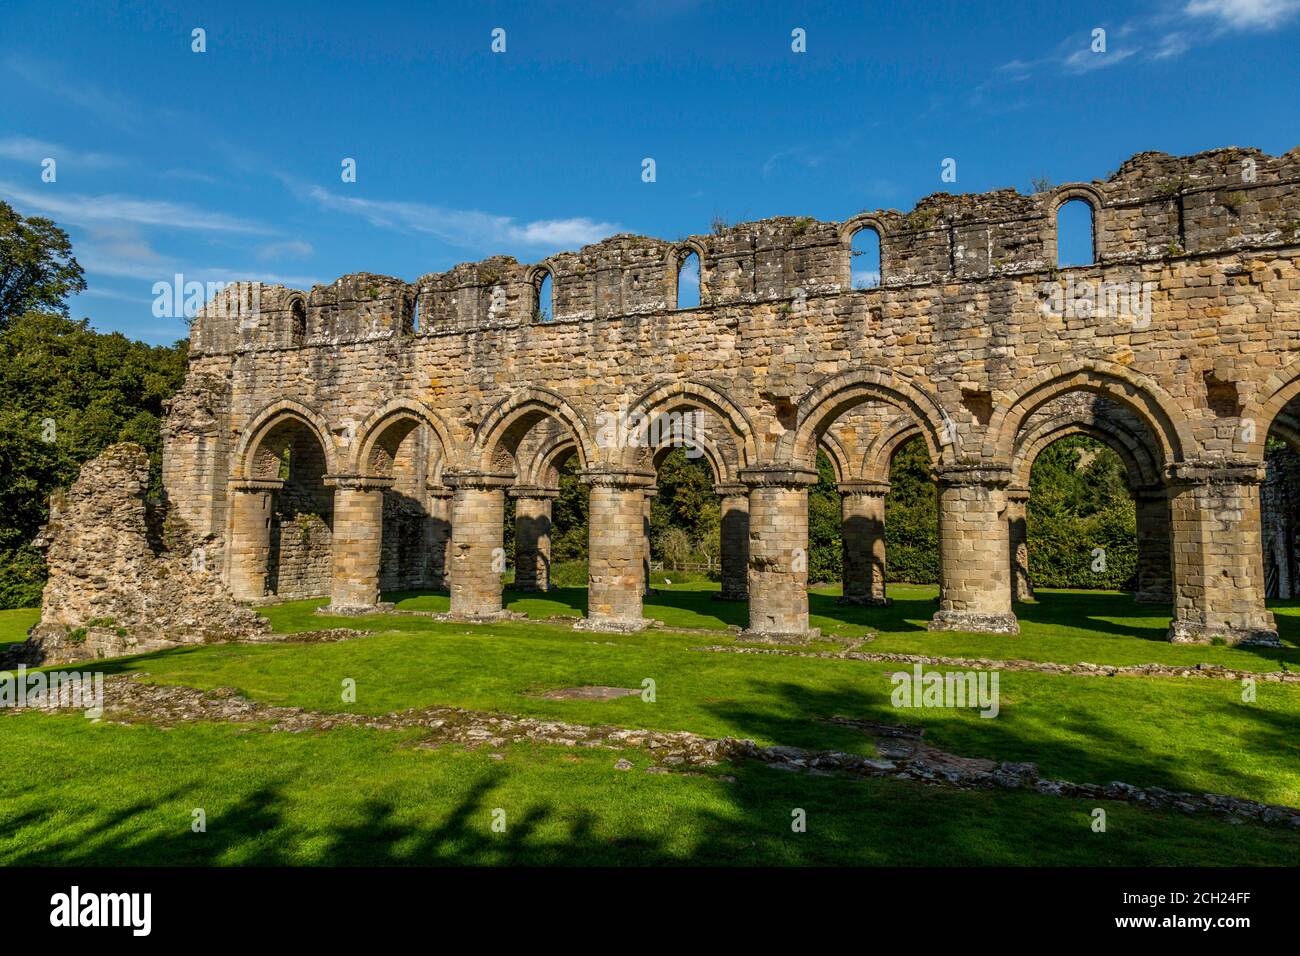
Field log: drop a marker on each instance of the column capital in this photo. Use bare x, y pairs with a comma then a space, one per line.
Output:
439, 491
1018, 494
252, 485
357, 482
533, 491
731, 489
857, 486
974, 473
793, 477
627, 478
1216, 471
478, 480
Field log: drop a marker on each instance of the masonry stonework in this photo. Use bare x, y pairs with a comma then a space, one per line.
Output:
1177, 347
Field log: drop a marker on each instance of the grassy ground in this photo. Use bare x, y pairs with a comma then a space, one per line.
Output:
118, 794
14, 624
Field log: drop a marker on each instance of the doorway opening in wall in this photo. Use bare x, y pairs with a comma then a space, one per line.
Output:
302, 513
1081, 521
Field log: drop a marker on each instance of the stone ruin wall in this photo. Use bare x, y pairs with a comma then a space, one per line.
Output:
121, 580
956, 338
958, 314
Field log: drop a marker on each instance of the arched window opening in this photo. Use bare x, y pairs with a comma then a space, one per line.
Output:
688, 281
865, 259
297, 322
545, 299
415, 315
1074, 234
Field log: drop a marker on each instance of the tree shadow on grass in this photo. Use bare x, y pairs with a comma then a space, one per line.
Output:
1097, 751
1090, 611
904, 614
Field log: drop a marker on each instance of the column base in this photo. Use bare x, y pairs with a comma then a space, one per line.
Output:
486, 617
354, 610
864, 600
1186, 632
780, 637
613, 625
730, 596
974, 622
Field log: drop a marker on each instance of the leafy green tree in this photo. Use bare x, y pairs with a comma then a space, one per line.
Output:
912, 517
66, 393
825, 550
37, 268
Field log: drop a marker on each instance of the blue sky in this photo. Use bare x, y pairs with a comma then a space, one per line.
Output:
226, 164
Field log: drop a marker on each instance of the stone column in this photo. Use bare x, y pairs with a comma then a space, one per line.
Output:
778, 553
478, 557
251, 501
645, 532
1022, 587
1218, 555
437, 535
862, 533
1155, 560
616, 549
974, 551
358, 539
533, 537
734, 556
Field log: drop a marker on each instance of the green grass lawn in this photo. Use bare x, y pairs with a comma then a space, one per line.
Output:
126, 795
307, 798
14, 624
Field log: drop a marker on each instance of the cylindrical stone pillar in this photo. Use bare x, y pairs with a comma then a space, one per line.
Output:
647, 510
251, 501
478, 557
1155, 559
437, 536
1022, 587
778, 553
974, 552
862, 536
734, 556
1218, 553
533, 537
358, 540
616, 549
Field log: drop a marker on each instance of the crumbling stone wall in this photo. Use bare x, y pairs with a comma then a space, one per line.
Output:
122, 577
964, 342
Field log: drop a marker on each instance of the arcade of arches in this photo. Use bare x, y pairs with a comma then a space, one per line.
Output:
303, 525
365, 435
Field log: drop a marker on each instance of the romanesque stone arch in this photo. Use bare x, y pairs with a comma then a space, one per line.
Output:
1269, 411
1062, 195
1142, 468
387, 427
271, 417
689, 394
497, 438
850, 228
837, 394
880, 453
839, 457
1141, 395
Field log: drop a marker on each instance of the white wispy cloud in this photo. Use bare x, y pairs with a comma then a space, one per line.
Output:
1163, 35
29, 150
1085, 60
466, 228
111, 208
1245, 14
